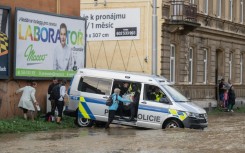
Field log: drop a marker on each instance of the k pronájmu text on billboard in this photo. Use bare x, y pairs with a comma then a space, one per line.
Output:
112, 24
4, 42
48, 45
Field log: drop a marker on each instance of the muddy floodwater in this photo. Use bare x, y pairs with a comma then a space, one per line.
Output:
225, 134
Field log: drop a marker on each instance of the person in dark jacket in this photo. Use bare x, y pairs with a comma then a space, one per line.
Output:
221, 91
134, 105
59, 103
232, 98
52, 101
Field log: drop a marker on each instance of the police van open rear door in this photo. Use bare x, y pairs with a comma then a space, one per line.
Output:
94, 92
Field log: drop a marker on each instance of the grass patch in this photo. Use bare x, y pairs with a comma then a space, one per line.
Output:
18, 124
217, 111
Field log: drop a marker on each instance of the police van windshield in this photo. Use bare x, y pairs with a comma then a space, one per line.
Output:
175, 94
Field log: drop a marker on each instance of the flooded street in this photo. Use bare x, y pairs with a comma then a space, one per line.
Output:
226, 133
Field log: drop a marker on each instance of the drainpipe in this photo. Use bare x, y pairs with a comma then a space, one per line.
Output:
58, 6
154, 38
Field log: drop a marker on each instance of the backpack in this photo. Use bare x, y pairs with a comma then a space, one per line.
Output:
50, 91
55, 94
109, 101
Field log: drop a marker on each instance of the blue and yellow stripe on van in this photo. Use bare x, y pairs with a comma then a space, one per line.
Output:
175, 113
84, 111
181, 115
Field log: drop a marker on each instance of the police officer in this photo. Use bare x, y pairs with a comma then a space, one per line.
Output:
156, 94
134, 105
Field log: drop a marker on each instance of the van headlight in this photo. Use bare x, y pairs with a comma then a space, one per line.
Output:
194, 115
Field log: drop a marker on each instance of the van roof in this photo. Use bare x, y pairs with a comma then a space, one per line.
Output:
122, 75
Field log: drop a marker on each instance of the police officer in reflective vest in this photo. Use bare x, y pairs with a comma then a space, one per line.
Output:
158, 94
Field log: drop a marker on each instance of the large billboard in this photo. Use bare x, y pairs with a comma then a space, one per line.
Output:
112, 24
48, 45
4, 42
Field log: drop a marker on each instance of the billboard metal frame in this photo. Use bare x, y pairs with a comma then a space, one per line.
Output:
49, 14
9, 44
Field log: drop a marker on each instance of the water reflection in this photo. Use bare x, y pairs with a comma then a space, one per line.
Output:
121, 131
224, 134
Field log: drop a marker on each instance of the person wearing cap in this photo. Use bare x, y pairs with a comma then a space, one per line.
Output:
113, 108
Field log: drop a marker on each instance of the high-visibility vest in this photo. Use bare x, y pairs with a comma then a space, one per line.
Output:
158, 96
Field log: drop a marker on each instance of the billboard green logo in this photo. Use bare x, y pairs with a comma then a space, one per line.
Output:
31, 56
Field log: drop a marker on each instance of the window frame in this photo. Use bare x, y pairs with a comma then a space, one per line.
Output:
97, 88
205, 7
190, 75
241, 68
172, 59
230, 10
205, 63
219, 8
230, 64
145, 92
241, 11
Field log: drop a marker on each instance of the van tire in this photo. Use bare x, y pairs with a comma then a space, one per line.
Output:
172, 123
84, 122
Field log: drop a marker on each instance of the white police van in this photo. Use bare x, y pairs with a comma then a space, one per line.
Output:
90, 88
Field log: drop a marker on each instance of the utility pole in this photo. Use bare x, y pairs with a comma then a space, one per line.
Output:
154, 38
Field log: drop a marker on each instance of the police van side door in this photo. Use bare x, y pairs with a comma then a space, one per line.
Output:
151, 112
94, 92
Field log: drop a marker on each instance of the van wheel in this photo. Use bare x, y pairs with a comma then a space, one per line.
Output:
84, 122
172, 124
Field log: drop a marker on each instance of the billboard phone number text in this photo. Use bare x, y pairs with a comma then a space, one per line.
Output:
119, 32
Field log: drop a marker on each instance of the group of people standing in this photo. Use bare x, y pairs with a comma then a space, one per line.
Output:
29, 103
227, 95
57, 102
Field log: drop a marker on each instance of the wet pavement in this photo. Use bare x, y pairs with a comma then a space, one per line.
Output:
226, 133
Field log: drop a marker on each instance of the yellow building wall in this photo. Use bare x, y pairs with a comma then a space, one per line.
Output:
125, 55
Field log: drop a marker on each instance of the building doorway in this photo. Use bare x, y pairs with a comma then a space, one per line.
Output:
219, 70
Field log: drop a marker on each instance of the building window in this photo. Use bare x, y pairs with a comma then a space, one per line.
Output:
241, 64
172, 63
206, 7
241, 11
205, 60
230, 9
192, 1
190, 65
219, 8
230, 65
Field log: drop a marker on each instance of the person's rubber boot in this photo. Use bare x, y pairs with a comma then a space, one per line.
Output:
132, 119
